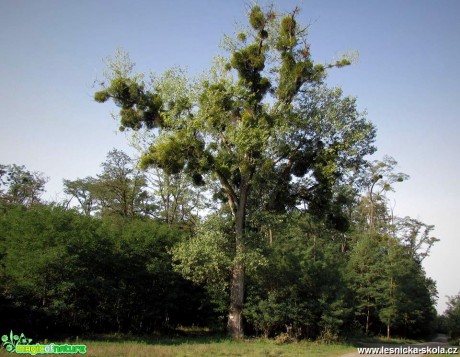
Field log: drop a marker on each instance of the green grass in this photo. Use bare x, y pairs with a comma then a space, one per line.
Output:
206, 346
384, 341
215, 348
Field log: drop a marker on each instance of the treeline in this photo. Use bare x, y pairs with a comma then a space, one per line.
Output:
63, 272
127, 251
96, 262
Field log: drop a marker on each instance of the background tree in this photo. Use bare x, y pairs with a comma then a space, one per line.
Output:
120, 190
453, 316
416, 237
378, 180
301, 291
366, 268
385, 260
83, 191
174, 197
20, 186
121, 186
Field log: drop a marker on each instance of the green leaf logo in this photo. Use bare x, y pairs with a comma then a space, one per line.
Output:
10, 342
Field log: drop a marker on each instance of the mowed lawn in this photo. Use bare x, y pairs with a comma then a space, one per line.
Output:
208, 347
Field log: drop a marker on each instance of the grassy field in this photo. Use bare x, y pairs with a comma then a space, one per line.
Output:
212, 345
208, 346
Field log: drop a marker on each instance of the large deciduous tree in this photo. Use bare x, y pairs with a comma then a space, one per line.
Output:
259, 127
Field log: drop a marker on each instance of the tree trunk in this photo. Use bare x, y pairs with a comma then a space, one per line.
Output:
235, 316
368, 319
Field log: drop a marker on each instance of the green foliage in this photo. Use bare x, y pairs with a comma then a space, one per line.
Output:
366, 271
378, 179
83, 191
101, 96
268, 315
167, 155
138, 106
119, 190
63, 271
20, 186
415, 236
453, 316
307, 275
207, 256
175, 199
257, 18
301, 291
391, 288
41, 261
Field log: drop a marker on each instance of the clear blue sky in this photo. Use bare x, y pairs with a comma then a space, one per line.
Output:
407, 79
